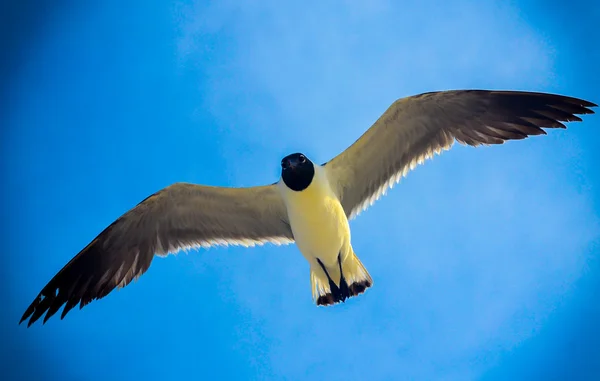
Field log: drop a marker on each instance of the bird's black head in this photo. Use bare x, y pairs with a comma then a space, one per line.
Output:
297, 171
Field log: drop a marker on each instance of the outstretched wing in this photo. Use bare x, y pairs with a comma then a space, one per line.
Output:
178, 217
415, 128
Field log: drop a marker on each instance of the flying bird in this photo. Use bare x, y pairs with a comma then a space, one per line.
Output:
310, 204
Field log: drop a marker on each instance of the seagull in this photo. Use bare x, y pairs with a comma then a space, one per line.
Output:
310, 204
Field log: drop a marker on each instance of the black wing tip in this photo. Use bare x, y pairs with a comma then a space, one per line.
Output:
89, 276
516, 115
42, 305
23, 318
51, 299
584, 108
27, 313
586, 104
564, 108
49, 306
555, 100
30, 311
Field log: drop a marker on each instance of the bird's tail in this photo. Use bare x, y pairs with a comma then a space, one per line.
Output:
330, 286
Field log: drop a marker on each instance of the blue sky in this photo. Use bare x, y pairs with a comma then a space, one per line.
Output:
485, 261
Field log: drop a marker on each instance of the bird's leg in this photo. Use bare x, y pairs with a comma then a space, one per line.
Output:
343, 284
335, 290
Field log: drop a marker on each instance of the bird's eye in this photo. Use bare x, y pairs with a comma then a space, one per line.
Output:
284, 163
302, 159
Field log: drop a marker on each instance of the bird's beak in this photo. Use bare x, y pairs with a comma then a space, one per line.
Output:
291, 165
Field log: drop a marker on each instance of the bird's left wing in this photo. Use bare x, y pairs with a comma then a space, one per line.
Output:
415, 128
178, 217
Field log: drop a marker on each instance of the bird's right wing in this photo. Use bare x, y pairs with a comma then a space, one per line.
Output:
178, 217
415, 128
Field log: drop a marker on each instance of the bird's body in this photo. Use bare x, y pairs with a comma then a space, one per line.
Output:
310, 204
322, 234
317, 219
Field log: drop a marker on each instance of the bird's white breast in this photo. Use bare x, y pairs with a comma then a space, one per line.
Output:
317, 219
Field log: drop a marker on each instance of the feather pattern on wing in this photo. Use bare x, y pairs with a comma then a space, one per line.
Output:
181, 216
416, 128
